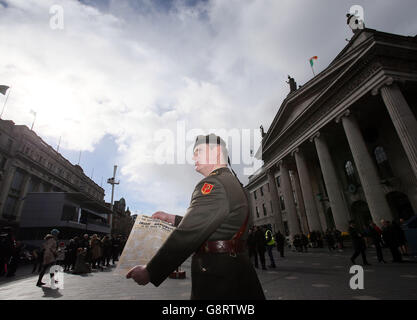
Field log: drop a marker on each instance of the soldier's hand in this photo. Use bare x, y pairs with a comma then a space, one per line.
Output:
140, 274
164, 216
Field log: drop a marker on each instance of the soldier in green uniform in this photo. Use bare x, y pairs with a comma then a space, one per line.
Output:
214, 229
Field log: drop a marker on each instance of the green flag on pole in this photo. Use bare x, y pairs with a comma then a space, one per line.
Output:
312, 60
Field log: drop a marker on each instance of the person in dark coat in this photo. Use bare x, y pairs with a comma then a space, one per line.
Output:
280, 239
358, 243
375, 234
115, 241
214, 230
400, 235
14, 260
329, 239
70, 255
391, 240
260, 245
252, 246
304, 242
107, 247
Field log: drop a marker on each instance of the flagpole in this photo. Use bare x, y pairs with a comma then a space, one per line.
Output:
5, 101
79, 158
312, 69
33, 122
59, 143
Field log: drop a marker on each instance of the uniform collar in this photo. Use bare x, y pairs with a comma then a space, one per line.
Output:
218, 171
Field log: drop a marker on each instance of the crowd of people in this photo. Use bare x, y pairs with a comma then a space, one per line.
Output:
390, 235
78, 255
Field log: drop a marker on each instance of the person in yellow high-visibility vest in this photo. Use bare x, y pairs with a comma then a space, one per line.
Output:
270, 244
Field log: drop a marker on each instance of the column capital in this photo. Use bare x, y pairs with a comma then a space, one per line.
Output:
314, 136
387, 82
345, 113
296, 150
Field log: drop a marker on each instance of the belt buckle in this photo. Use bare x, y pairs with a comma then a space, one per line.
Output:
232, 254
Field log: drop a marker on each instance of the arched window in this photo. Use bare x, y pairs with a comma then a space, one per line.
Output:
350, 173
381, 158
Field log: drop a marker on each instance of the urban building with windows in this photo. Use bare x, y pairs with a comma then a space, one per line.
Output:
344, 145
29, 165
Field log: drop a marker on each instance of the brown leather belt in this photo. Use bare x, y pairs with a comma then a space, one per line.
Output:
223, 246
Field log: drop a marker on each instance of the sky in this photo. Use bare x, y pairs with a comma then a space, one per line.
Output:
132, 82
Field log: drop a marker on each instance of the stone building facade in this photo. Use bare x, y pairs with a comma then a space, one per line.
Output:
28, 164
122, 221
344, 145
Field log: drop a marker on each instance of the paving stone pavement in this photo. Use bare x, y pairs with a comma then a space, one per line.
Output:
315, 275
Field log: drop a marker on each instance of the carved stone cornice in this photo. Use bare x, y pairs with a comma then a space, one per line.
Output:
344, 89
387, 82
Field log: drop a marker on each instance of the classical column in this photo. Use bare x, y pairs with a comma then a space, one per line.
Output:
300, 202
403, 119
371, 184
307, 191
23, 193
8, 179
337, 203
275, 201
290, 209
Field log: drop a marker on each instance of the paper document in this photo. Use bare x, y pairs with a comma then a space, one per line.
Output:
146, 237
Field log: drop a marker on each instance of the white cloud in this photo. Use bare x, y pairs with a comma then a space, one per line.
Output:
130, 70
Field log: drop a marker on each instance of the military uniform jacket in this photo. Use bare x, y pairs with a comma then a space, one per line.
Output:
217, 210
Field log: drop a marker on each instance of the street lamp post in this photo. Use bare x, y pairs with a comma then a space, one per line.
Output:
112, 181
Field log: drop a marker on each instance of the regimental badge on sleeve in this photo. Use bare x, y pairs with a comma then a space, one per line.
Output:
206, 189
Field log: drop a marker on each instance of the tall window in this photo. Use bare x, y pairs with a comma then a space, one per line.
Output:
279, 181
384, 168
257, 212
254, 194
264, 208
281, 200
350, 173
262, 191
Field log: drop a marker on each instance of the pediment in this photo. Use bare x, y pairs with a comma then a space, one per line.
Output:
298, 102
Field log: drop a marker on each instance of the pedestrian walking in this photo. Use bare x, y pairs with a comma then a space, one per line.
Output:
49, 254
390, 236
107, 248
70, 255
328, 236
270, 245
280, 240
358, 243
14, 259
115, 248
260, 246
402, 240
304, 242
252, 246
375, 234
